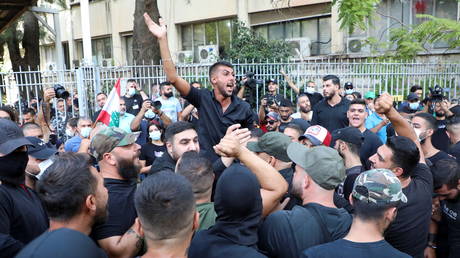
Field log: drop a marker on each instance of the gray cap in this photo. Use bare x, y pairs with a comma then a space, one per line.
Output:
274, 144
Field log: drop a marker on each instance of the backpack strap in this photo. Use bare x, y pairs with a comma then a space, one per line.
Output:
326, 235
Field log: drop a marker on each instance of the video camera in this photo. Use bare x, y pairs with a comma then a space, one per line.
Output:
436, 94
251, 82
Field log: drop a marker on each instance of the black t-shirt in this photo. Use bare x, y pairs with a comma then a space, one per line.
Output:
314, 98
283, 126
22, 218
343, 190
345, 248
439, 156
331, 118
451, 216
122, 212
440, 139
150, 151
213, 122
454, 150
369, 147
287, 233
409, 231
133, 104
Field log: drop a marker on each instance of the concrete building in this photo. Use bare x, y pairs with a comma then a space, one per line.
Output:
200, 27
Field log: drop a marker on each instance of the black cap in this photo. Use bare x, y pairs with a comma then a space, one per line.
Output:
11, 136
348, 85
348, 134
39, 149
412, 96
271, 80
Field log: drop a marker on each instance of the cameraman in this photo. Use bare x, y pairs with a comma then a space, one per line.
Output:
149, 111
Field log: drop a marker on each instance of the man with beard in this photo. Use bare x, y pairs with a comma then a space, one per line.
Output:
118, 158
318, 171
101, 98
331, 112
357, 115
376, 195
285, 111
305, 111
273, 122
75, 199
169, 104
402, 154
441, 112
22, 217
218, 109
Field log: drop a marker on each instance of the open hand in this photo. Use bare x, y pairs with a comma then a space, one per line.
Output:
158, 31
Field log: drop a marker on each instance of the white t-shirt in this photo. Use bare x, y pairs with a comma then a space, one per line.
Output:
170, 107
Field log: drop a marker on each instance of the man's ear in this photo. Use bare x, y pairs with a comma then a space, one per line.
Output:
350, 199
398, 171
109, 158
90, 203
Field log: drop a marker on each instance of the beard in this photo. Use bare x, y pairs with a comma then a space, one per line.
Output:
304, 109
440, 114
101, 216
330, 95
127, 169
223, 92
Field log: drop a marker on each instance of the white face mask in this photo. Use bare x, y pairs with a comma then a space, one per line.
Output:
414, 106
43, 166
85, 132
419, 132
69, 132
131, 92
149, 114
349, 91
310, 90
155, 135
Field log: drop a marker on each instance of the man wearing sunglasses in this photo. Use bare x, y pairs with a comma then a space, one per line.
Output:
273, 122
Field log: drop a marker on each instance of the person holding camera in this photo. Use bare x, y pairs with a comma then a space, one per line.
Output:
134, 97
149, 111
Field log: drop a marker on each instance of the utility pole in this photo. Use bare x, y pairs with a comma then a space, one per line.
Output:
85, 29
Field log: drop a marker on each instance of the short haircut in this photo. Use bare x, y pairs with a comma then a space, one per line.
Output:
10, 111
73, 122
311, 82
354, 148
30, 111
216, 65
66, 184
335, 80
406, 155
83, 118
198, 171
101, 93
429, 120
195, 82
415, 88
131, 80
369, 211
295, 127
358, 102
453, 124
165, 83
30, 126
446, 172
165, 204
285, 103
177, 127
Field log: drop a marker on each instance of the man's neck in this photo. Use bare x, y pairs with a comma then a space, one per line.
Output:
362, 128
280, 165
322, 197
108, 171
306, 116
334, 100
404, 181
428, 149
203, 200
224, 101
286, 121
79, 223
170, 248
352, 160
164, 97
364, 231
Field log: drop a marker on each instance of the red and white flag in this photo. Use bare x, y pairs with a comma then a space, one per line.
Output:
110, 113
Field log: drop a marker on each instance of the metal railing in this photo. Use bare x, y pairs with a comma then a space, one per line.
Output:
19, 88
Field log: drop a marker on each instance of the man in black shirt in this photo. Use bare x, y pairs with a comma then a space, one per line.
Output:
22, 217
357, 115
272, 92
285, 110
331, 112
425, 127
403, 155
376, 195
134, 97
441, 113
218, 109
118, 158
453, 131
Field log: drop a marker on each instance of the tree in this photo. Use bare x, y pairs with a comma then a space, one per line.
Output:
248, 45
145, 46
409, 39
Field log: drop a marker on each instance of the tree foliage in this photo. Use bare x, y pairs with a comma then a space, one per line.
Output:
248, 45
355, 13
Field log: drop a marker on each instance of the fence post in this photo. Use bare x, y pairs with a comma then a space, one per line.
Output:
97, 83
81, 90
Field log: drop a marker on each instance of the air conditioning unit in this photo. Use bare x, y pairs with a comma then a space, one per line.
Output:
106, 62
185, 57
51, 66
300, 47
357, 46
208, 54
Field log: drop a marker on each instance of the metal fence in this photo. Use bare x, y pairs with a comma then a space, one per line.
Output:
19, 88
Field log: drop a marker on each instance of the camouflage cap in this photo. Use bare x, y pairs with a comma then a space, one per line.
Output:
379, 186
106, 140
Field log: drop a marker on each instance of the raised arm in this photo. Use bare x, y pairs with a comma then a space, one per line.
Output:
384, 105
159, 31
290, 83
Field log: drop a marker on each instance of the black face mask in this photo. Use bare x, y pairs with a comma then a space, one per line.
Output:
13, 167
168, 95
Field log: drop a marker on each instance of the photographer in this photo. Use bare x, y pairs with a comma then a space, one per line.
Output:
149, 111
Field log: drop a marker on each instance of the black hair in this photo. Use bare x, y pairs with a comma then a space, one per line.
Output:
198, 171
429, 119
357, 95
285, 103
160, 127
414, 88
131, 80
66, 184
295, 127
165, 204
30, 111
165, 83
177, 127
455, 120
406, 155
11, 112
354, 148
445, 172
358, 101
101, 93
214, 67
73, 122
335, 80
195, 82
369, 211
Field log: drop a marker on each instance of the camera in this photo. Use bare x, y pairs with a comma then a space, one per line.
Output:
436, 94
271, 100
251, 82
157, 104
60, 92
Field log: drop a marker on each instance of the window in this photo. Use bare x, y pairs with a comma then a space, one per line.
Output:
129, 50
101, 49
318, 30
209, 33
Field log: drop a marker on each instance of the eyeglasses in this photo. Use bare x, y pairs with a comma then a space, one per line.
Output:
271, 121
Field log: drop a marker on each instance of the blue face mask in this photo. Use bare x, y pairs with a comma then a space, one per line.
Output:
155, 135
414, 106
349, 91
149, 114
85, 132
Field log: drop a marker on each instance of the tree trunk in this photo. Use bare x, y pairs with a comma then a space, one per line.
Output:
145, 45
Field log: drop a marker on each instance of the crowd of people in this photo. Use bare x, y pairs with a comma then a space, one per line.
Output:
203, 174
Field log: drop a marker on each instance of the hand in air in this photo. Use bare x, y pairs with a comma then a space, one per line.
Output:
158, 31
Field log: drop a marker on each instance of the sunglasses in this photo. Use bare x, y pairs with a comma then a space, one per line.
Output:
271, 121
